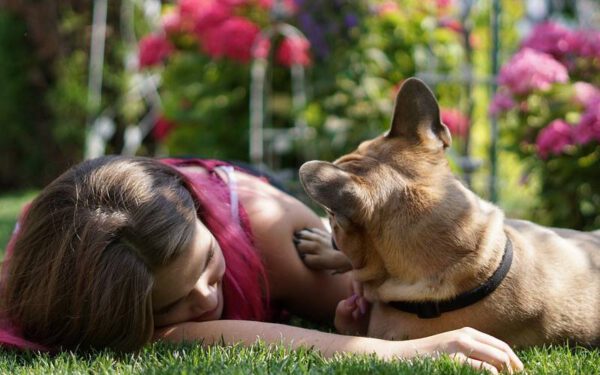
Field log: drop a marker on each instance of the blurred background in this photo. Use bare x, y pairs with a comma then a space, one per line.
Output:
278, 82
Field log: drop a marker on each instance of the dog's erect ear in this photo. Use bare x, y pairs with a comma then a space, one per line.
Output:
333, 188
417, 115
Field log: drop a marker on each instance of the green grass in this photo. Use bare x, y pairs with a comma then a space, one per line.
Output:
10, 206
259, 359
192, 359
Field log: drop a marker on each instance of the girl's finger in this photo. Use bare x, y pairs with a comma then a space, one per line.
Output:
492, 355
474, 363
479, 365
514, 361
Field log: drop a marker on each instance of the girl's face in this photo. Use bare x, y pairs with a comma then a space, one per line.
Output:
190, 288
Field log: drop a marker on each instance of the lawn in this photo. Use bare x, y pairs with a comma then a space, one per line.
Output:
192, 359
10, 206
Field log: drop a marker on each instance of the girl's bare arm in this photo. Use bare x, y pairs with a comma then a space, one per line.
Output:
274, 217
465, 345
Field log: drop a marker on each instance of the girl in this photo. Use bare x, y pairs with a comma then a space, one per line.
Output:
118, 251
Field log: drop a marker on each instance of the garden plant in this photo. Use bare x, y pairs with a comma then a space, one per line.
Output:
549, 103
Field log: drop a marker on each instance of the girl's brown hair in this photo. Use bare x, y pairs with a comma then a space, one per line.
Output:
81, 274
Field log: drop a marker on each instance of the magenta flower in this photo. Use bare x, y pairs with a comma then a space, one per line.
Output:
455, 121
233, 39
531, 70
586, 94
551, 38
586, 43
501, 102
172, 23
294, 50
588, 128
443, 3
554, 138
153, 49
207, 15
262, 48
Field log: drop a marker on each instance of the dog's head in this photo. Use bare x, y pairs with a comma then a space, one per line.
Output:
385, 198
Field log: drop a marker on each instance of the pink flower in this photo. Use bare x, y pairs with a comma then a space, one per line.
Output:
210, 15
261, 48
172, 23
233, 39
386, 7
455, 121
588, 128
501, 102
153, 49
443, 3
162, 128
294, 50
587, 43
550, 37
531, 70
234, 2
586, 94
451, 24
188, 12
554, 138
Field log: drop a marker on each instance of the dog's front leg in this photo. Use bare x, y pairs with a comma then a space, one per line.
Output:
315, 248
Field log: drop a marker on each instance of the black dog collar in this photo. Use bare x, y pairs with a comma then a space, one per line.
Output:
433, 309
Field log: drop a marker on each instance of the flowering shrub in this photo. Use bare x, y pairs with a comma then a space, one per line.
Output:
549, 100
357, 53
202, 53
457, 122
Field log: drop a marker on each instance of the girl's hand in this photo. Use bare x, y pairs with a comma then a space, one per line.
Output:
353, 313
352, 316
472, 347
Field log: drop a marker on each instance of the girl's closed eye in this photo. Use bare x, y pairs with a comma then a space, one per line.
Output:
209, 258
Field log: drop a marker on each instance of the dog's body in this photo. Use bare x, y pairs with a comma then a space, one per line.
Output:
414, 233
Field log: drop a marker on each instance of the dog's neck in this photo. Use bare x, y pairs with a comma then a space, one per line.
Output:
458, 257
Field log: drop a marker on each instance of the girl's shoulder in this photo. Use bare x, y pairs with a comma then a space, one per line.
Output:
269, 208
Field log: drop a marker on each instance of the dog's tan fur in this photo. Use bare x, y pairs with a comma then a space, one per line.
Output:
413, 232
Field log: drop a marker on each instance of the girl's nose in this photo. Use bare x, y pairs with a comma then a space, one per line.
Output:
204, 297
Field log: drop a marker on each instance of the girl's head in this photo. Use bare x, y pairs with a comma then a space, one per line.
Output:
82, 271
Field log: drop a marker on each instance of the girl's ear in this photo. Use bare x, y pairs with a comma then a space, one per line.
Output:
417, 116
334, 189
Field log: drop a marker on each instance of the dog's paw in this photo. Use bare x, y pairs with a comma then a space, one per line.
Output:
316, 251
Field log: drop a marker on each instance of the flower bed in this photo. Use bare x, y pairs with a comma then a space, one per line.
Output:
549, 103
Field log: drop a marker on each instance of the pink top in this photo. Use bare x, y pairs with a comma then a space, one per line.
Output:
245, 287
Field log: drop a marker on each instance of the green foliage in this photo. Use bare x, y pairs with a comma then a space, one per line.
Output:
20, 159
67, 100
210, 106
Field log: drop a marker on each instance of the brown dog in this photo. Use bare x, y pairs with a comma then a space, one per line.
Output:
433, 257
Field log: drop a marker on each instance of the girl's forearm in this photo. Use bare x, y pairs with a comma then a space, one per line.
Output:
249, 332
